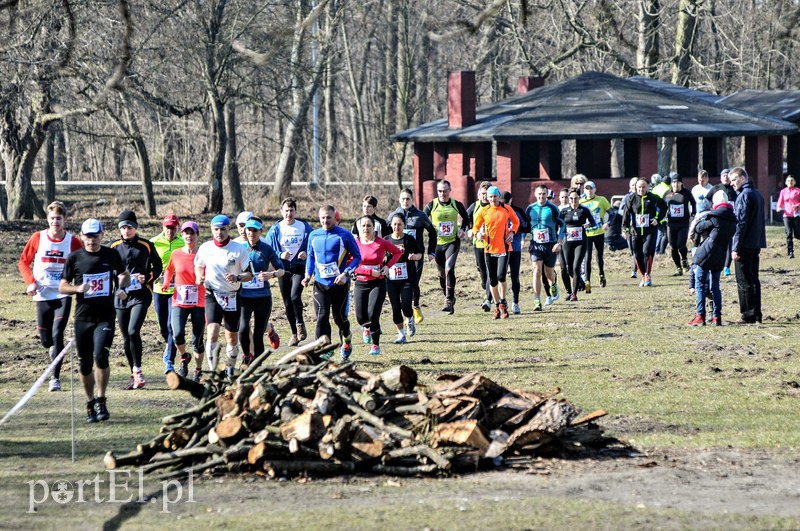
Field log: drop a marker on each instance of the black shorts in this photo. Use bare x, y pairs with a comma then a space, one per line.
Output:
543, 252
215, 313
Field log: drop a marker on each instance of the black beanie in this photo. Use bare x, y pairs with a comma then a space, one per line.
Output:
127, 217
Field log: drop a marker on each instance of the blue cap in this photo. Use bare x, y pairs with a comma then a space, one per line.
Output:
493, 190
220, 220
91, 226
253, 223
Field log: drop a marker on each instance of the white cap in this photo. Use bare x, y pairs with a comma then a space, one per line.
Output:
590, 184
719, 197
242, 218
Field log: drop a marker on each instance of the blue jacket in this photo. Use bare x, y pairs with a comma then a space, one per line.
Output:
260, 258
275, 240
548, 217
336, 247
751, 232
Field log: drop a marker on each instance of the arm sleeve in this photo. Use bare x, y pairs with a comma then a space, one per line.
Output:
352, 247
310, 258
26, 258
478, 221
169, 271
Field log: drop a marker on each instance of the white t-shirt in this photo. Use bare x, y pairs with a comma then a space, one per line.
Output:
233, 258
292, 237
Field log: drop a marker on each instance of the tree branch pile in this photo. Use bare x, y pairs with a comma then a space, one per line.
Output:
302, 415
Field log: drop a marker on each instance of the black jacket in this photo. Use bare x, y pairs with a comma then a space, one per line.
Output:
749, 211
717, 226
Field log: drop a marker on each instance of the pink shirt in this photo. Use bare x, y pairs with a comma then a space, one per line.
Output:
372, 255
789, 202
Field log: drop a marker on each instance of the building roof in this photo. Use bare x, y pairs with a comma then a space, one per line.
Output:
596, 105
782, 104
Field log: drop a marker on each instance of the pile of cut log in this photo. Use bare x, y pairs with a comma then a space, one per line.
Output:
304, 415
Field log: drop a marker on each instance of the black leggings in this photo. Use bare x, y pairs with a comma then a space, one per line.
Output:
260, 308
179, 317
51, 321
644, 248
368, 298
400, 296
93, 342
572, 256
514, 261
130, 325
496, 267
292, 295
677, 236
446, 256
415, 272
792, 228
481, 263
598, 242
331, 301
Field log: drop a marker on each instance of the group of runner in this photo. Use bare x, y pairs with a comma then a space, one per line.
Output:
224, 284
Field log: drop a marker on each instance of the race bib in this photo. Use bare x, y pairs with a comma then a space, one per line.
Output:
99, 285
497, 255
51, 277
253, 284
642, 220
135, 284
541, 235
676, 211
226, 300
329, 270
445, 228
574, 234
399, 271
291, 243
186, 295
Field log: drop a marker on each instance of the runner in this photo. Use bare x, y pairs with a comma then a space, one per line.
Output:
188, 299
515, 254
479, 245
681, 208
498, 223
241, 221
144, 265
400, 286
256, 295
167, 241
444, 213
578, 219
368, 206
417, 223
789, 204
370, 287
623, 215
97, 276
330, 248
289, 238
643, 212
701, 191
614, 239
661, 188
547, 229
221, 265
41, 265
596, 235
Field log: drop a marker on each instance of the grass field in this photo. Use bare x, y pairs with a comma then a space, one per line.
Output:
667, 387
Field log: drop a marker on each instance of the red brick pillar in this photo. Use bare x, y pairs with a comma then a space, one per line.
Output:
648, 157
461, 99
507, 164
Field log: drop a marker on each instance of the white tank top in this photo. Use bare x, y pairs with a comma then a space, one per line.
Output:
48, 265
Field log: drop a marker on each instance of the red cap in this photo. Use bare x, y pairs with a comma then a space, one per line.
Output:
171, 221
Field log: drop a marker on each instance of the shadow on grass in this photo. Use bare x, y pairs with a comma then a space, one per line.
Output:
129, 510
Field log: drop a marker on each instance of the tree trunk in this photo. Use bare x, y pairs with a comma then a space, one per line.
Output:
143, 158
647, 52
390, 69
232, 158
684, 42
49, 168
216, 169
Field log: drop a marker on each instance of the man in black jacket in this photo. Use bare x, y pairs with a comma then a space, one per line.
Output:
749, 239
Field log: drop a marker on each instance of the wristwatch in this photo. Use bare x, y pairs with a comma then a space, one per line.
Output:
238, 278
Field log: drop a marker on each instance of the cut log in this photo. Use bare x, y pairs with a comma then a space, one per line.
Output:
257, 453
230, 428
279, 468
467, 432
368, 441
178, 438
178, 383
365, 400
112, 461
305, 427
399, 379
589, 417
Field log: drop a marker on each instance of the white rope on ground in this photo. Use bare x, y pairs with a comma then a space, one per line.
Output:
72, 368
35, 387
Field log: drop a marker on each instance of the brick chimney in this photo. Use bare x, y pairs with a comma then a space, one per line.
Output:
460, 99
528, 83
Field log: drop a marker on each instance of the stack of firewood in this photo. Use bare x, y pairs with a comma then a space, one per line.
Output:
304, 415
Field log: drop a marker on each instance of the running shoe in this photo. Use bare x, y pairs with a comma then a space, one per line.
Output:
274, 339
183, 370
91, 414
301, 331
726, 271
375, 350
647, 281
486, 305
791, 255
197, 375
496, 313
448, 308
685, 264
366, 335
131, 383
503, 310
100, 409
293, 341
515, 307
55, 384
633, 274
247, 359
641, 283
411, 326
555, 292
602, 281
347, 349
716, 321
678, 272
138, 379
537, 305
588, 287
549, 301
418, 317
699, 320
400, 339
326, 355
